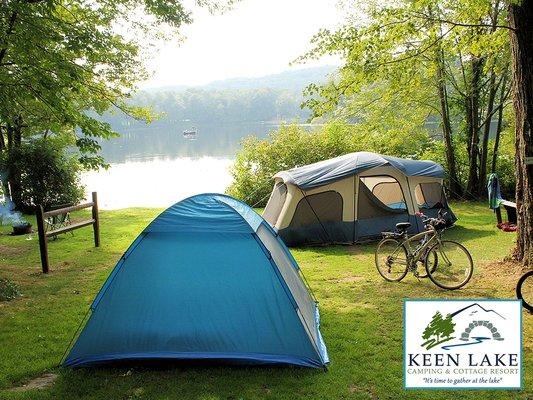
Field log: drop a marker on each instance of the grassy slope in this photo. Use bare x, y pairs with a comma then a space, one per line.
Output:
361, 320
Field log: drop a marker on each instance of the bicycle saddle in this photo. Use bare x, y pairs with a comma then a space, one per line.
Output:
403, 226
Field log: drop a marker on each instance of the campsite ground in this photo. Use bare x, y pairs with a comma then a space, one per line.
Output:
362, 320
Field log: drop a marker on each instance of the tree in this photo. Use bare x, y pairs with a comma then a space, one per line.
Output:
428, 332
473, 17
429, 63
64, 62
49, 174
439, 330
447, 326
521, 37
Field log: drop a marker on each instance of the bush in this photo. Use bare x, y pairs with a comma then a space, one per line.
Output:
47, 175
293, 146
8, 290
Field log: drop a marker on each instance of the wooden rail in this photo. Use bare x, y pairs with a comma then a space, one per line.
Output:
44, 235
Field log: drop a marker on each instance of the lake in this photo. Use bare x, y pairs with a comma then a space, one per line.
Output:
155, 166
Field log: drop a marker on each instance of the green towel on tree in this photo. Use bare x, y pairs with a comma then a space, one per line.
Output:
493, 187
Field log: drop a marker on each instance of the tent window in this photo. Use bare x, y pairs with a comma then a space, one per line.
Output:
326, 206
275, 203
430, 195
370, 206
387, 190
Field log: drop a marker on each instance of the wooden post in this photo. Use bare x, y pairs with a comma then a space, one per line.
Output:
96, 224
43, 239
43, 236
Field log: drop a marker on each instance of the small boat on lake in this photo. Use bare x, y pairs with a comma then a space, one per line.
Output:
190, 134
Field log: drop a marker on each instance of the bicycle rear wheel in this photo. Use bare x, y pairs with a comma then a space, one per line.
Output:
391, 260
454, 268
524, 290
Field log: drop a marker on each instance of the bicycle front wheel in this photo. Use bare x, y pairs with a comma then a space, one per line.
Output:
454, 268
431, 259
391, 260
524, 290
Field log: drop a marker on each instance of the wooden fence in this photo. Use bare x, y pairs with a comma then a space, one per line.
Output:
42, 216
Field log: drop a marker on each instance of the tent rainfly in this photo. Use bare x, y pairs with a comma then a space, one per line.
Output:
207, 279
354, 198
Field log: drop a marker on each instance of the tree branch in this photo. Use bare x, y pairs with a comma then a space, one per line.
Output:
461, 24
9, 31
419, 52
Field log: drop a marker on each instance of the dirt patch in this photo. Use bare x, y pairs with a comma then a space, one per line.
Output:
506, 273
11, 251
503, 271
371, 393
41, 382
503, 267
360, 249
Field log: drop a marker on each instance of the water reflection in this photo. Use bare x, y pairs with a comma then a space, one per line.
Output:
155, 166
165, 140
158, 182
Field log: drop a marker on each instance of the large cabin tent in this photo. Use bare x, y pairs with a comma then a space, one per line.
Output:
353, 198
208, 279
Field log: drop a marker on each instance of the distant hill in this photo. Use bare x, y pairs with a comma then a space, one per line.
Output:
272, 98
289, 80
295, 80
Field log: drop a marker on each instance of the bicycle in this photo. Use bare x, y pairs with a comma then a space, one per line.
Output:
448, 264
524, 290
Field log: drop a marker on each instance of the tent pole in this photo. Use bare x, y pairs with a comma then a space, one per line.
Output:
354, 196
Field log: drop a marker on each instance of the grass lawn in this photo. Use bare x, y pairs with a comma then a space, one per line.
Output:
362, 320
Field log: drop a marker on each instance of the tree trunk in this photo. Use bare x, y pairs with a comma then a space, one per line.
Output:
472, 123
521, 38
503, 96
2, 140
14, 177
493, 87
455, 186
9, 31
3, 174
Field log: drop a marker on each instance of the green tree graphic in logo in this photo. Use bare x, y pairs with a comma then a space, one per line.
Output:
438, 331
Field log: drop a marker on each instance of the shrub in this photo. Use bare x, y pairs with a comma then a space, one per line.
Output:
47, 174
8, 290
291, 146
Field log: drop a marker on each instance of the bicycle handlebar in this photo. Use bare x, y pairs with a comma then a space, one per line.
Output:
432, 221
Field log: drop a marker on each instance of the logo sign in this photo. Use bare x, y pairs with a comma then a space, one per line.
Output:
456, 344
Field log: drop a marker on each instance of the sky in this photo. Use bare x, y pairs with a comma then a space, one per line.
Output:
255, 38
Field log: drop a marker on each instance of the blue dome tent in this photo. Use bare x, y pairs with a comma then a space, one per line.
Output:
207, 279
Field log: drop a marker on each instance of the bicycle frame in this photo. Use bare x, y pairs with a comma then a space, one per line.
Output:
417, 253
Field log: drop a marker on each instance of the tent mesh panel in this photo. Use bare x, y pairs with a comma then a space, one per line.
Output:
430, 195
369, 206
390, 194
326, 206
